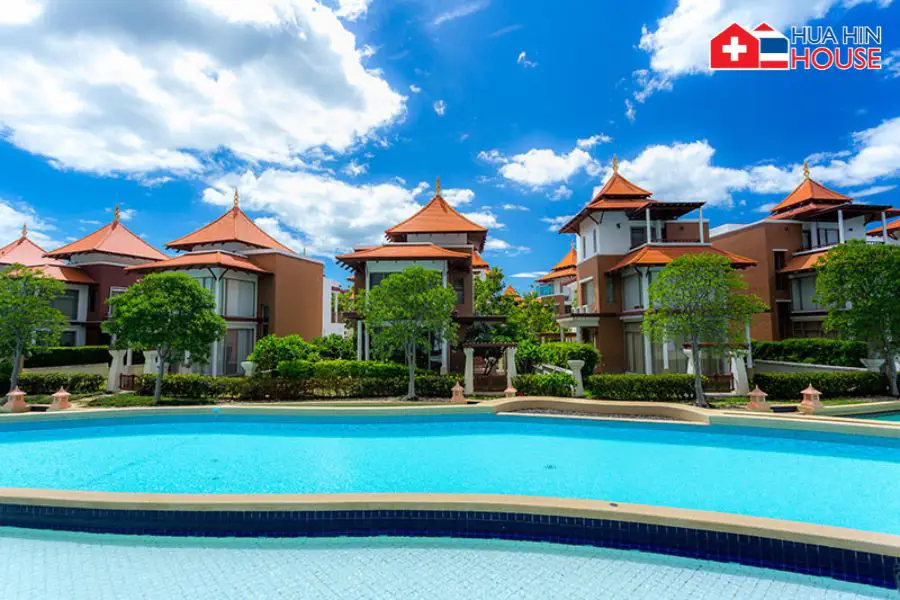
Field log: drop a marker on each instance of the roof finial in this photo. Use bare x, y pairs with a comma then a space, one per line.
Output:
116, 214
805, 169
237, 199
437, 186
24, 230
615, 164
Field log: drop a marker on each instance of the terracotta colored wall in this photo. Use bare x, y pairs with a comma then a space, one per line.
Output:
596, 267
609, 338
611, 344
106, 276
758, 242
686, 232
467, 308
293, 293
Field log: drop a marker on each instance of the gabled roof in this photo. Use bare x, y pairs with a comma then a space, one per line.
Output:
619, 187
564, 268
478, 262
569, 260
233, 226
893, 230
810, 191
113, 238
25, 252
402, 252
436, 217
195, 260
650, 255
65, 273
558, 274
511, 292
804, 262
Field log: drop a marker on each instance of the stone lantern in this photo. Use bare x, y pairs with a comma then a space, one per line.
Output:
758, 401
457, 397
510, 392
811, 402
60, 400
16, 402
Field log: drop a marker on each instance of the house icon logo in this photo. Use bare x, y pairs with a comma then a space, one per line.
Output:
736, 48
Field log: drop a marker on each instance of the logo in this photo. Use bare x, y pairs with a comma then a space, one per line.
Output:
765, 48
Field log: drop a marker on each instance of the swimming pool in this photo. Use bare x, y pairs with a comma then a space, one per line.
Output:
81, 566
891, 416
830, 479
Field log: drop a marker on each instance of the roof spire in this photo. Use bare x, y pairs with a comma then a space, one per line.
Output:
437, 186
237, 199
805, 170
116, 214
615, 164
24, 230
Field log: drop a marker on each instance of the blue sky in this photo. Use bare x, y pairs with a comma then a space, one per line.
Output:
334, 119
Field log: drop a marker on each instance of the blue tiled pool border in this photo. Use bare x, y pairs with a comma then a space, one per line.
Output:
848, 565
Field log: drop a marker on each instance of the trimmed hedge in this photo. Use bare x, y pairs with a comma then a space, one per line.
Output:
304, 369
817, 351
559, 353
192, 386
49, 383
335, 347
545, 384
64, 356
787, 386
272, 349
675, 387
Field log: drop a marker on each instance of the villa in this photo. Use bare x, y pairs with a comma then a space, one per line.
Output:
439, 238
559, 285
624, 237
789, 243
261, 286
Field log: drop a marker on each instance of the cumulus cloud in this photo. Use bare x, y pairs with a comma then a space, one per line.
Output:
561, 193
352, 9
458, 196
515, 207
14, 215
440, 107
523, 60
590, 142
630, 112
872, 191
415, 89
541, 167
485, 218
354, 169
136, 87
528, 275
679, 43
497, 246
554, 223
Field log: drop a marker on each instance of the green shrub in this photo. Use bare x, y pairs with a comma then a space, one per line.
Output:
335, 347
304, 369
545, 384
431, 385
528, 356
675, 387
63, 356
787, 386
193, 386
818, 351
48, 383
273, 349
559, 353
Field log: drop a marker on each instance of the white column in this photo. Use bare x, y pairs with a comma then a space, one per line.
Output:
217, 290
511, 372
445, 357
840, 226
470, 370
814, 235
700, 231
645, 288
739, 375
562, 333
151, 362
115, 370
359, 340
665, 352
749, 344
659, 231
647, 218
579, 337
884, 227
648, 355
576, 366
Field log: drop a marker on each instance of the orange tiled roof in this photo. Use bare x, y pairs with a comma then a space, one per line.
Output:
807, 191
510, 291
804, 262
65, 273
478, 262
113, 238
436, 217
893, 229
233, 226
616, 194
569, 260
25, 252
558, 274
803, 209
618, 186
662, 255
403, 252
198, 260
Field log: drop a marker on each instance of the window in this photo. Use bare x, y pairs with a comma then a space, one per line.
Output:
583, 246
375, 279
634, 348
638, 236
828, 237
67, 304
460, 289
594, 236
238, 345
633, 295
809, 329
544, 290
113, 292
807, 239
610, 290
780, 280
67, 338
587, 293
802, 291
240, 298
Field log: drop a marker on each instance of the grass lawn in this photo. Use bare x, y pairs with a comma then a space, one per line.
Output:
740, 402
128, 400
48, 398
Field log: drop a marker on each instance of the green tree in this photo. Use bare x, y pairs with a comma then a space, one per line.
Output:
404, 311
27, 317
170, 312
699, 298
859, 284
273, 349
531, 316
489, 298
335, 347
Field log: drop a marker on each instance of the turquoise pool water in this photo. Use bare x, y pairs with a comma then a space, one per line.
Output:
895, 416
92, 567
848, 481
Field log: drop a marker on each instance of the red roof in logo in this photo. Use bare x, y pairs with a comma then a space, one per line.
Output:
734, 48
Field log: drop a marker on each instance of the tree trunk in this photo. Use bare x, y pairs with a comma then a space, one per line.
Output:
699, 397
411, 364
157, 390
892, 372
16, 367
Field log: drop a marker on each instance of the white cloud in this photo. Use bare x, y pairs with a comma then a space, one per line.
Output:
505, 30
522, 59
765, 208
554, 223
541, 167
458, 196
19, 12
415, 89
561, 193
354, 169
139, 87
463, 10
327, 215
630, 112
485, 218
872, 191
528, 275
891, 64
352, 9
498, 246
273, 227
679, 43
125, 214
515, 207
590, 142
440, 107
14, 215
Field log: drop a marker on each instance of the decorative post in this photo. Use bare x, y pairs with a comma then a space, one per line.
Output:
873, 364
690, 359
511, 372
457, 397
576, 366
739, 374
758, 401
60, 401
151, 362
470, 370
510, 392
16, 402
811, 402
115, 370
249, 368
